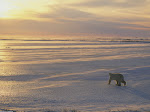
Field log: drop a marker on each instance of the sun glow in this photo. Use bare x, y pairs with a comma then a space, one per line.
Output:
5, 8
23, 9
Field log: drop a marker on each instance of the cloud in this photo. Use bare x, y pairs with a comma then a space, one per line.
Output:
115, 17
72, 27
113, 3
65, 12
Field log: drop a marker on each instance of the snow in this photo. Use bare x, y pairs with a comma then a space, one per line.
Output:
73, 73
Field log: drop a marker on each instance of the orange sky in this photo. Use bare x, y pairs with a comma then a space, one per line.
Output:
75, 17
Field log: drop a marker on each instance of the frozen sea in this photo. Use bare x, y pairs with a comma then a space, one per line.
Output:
72, 73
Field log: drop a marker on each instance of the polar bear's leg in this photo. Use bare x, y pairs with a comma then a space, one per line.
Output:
119, 83
124, 82
109, 81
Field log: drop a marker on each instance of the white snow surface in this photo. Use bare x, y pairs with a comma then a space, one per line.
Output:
73, 73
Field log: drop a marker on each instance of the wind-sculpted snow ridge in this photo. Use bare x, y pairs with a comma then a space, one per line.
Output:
65, 39
134, 40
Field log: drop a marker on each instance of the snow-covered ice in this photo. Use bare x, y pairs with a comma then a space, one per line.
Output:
59, 73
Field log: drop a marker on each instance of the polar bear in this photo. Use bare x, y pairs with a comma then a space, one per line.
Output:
118, 77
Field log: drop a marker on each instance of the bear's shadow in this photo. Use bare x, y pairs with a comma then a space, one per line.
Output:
136, 92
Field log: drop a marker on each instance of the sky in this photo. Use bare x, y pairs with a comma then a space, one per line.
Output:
75, 17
